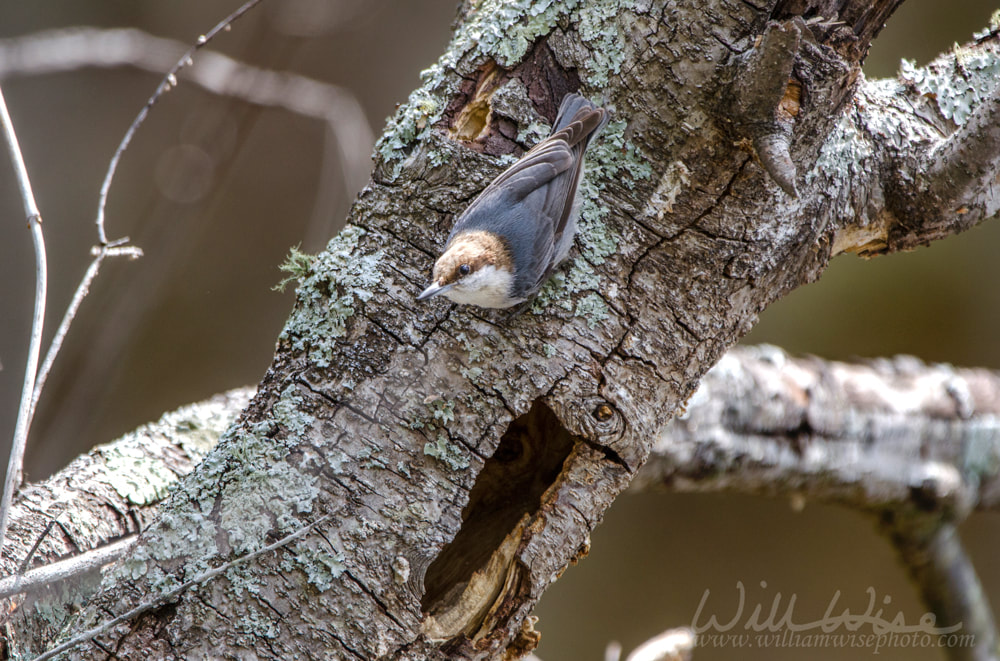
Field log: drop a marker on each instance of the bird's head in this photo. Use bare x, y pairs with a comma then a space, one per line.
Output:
475, 269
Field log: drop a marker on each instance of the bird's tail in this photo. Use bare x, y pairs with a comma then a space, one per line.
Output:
577, 108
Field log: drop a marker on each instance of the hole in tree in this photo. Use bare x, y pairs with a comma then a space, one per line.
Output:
527, 461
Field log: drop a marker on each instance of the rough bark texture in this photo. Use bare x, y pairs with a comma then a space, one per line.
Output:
875, 436
894, 437
109, 493
463, 456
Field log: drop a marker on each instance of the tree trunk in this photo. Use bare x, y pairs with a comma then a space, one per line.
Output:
454, 460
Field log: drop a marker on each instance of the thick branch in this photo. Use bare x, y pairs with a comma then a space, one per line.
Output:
111, 491
868, 435
921, 153
878, 436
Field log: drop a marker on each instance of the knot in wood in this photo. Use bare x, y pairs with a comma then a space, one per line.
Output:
603, 413
604, 422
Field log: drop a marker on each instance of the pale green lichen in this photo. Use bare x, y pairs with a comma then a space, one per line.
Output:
243, 490
410, 122
57, 603
447, 452
980, 457
135, 476
956, 90
438, 412
262, 499
138, 474
443, 411
433, 421
603, 38
504, 31
321, 565
471, 373
295, 267
476, 351
533, 133
258, 623
593, 308
340, 278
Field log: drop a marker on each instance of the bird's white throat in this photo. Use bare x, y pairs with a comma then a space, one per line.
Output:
488, 287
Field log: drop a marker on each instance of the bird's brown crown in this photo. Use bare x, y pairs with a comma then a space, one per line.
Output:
469, 252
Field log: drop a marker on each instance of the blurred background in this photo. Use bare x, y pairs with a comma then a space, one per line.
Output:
216, 191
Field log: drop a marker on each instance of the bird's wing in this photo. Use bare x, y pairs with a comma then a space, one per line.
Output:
541, 187
542, 164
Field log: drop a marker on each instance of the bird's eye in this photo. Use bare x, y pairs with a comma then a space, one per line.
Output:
464, 269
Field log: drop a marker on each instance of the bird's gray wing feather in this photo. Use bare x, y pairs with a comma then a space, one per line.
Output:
513, 187
535, 169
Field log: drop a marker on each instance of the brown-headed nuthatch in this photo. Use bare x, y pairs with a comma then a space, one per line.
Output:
506, 244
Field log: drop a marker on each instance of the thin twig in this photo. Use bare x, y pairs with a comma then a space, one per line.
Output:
167, 596
106, 248
168, 82
63, 569
13, 478
67, 49
38, 542
100, 253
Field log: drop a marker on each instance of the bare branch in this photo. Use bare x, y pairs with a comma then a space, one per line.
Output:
31, 392
62, 50
936, 560
169, 595
959, 170
64, 569
113, 249
917, 444
867, 435
764, 422
167, 83
921, 153
23, 425
126, 478
68, 49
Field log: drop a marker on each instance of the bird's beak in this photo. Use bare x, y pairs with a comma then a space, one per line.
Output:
433, 290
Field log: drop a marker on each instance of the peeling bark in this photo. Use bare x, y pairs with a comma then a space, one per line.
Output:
412, 427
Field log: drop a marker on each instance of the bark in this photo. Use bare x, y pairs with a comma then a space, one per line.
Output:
457, 459
909, 442
873, 436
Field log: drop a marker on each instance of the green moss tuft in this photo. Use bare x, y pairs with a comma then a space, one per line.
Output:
295, 267
340, 278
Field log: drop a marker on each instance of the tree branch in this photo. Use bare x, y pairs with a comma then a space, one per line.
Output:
879, 437
869, 436
54, 51
921, 152
917, 445
33, 216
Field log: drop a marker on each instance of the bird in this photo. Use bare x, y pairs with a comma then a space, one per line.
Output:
511, 238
